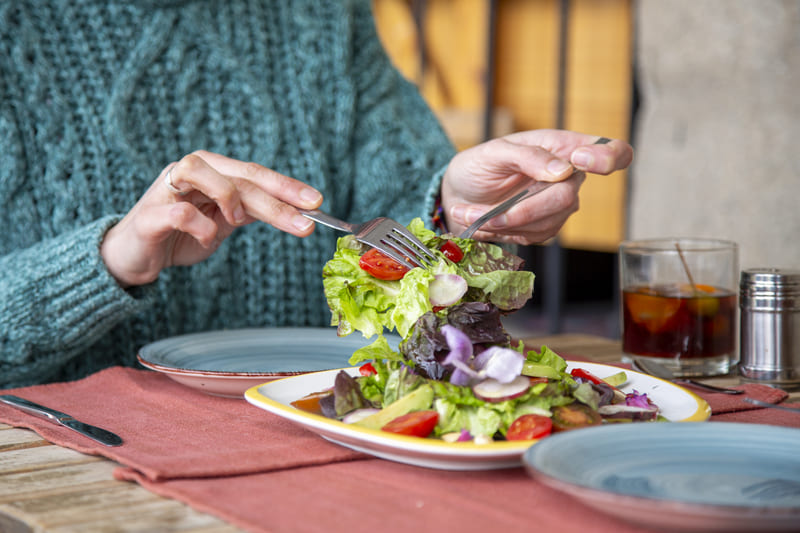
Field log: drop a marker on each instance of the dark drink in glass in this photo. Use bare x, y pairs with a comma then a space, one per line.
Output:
679, 321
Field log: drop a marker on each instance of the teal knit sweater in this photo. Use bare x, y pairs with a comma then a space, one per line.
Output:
99, 95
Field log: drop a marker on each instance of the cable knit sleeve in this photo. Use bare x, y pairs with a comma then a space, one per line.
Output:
402, 149
56, 298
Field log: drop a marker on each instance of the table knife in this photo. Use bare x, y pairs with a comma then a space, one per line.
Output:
660, 371
93, 432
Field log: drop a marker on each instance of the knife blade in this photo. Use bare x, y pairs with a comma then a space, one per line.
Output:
95, 433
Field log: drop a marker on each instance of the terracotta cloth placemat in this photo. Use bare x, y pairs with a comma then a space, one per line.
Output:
262, 473
384, 496
172, 431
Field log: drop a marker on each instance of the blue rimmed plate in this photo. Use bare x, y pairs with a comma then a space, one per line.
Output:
228, 362
679, 477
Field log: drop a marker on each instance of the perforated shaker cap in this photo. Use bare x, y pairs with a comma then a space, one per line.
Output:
770, 289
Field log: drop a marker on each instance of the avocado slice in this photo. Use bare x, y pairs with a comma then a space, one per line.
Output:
417, 400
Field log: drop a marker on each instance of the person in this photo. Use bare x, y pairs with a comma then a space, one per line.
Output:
156, 152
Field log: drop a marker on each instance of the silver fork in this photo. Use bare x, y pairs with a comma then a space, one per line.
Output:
533, 190
388, 236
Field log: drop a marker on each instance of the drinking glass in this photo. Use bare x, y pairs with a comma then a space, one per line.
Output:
679, 303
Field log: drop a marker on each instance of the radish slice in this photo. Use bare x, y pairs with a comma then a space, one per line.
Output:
446, 289
359, 414
491, 390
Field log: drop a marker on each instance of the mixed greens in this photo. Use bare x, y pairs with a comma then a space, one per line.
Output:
360, 301
455, 374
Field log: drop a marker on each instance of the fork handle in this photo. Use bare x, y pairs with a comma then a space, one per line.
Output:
324, 218
534, 189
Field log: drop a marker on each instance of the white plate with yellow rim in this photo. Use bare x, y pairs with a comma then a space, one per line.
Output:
676, 404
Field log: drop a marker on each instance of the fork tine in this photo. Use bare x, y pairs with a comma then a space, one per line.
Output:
396, 241
408, 248
391, 251
384, 234
414, 245
389, 243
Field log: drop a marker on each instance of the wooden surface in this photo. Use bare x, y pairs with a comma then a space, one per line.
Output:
47, 488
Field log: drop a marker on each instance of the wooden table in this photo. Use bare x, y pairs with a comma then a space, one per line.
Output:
47, 488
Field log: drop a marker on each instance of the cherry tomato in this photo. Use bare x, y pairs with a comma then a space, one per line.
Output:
416, 424
367, 369
529, 427
381, 266
451, 251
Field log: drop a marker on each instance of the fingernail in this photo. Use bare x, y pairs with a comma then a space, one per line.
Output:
498, 222
457, 213
582, 158
557, 167
310, 195
472, 215
239, 214
301, 223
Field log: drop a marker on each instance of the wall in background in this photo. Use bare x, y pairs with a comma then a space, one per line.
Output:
717, 133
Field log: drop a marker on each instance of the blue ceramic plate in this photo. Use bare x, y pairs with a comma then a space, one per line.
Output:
690, 477
227, 363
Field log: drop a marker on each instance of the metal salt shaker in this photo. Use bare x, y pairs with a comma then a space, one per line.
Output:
769, 300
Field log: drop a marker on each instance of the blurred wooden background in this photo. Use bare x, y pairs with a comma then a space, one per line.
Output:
527, 64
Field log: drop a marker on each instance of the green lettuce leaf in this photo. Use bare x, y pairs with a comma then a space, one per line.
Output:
548, 357
359, 302
378, 350
481, 420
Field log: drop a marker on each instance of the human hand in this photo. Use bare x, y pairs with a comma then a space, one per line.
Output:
193, 206
481, 177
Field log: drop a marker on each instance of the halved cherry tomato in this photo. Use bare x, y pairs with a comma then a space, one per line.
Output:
416, 424
452, 251
367, 369
381, 266
529, 427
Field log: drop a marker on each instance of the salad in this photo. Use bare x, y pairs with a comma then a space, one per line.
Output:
456, 374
